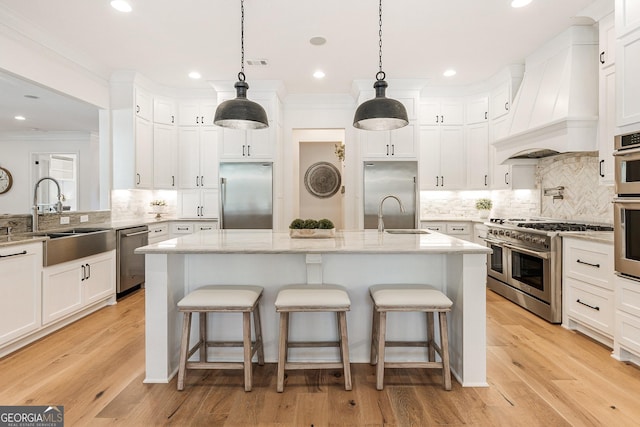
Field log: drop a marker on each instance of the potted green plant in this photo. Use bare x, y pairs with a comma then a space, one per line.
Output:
301, 228
484, 206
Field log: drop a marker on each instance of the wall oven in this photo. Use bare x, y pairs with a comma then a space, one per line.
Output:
626, 218
627, 164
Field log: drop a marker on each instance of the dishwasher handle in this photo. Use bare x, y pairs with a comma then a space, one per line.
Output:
137, 233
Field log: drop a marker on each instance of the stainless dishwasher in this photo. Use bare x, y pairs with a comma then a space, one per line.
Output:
130, 266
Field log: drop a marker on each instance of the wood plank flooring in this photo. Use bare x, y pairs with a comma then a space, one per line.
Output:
539, 375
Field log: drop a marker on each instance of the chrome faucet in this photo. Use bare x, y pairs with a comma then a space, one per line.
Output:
380, 220
34, 224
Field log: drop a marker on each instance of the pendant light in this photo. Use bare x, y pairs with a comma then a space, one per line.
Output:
380, 113
241, 113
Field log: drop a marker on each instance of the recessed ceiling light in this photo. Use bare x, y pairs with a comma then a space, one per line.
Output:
121, 5
319, 74
20, 118
195, 75
520, 3
449, 73
317, 40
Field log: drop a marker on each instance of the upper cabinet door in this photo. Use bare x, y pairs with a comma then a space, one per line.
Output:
442, 111
164, 111
477, 109
196, 113
607, 41
144, 104
627, 16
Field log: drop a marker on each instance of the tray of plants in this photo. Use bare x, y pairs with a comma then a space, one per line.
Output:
311, 228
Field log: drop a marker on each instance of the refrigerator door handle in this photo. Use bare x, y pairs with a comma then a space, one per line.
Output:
223, 196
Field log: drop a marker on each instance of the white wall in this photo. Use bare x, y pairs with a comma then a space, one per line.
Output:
16, 152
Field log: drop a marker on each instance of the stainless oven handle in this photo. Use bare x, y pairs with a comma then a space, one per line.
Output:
495, 242
543, 255
627, 151
626, 200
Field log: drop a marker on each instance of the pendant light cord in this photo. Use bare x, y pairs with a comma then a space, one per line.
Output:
380, 75
241, 75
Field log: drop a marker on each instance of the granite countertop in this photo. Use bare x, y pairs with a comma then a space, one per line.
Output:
271, 242
595, 236
454, 219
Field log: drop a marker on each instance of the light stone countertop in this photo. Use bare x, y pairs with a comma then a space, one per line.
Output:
270, 242
595, 236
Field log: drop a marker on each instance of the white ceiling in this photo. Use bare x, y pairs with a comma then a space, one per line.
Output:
164, 40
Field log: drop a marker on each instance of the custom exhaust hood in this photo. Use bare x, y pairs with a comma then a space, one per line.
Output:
556, 108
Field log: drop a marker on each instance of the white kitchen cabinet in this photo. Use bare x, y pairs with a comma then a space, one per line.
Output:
500, 100
196, 112
20, 269
144, 153
442, 158
607, 41
164, 111
588, 288
477, 109
627, 82
627, 328
477, 153
509, 176
442, 111
165, 156
144, 104
607, 124
198, 157
158, 232
396, 144
627, 16
459, 229
71, 286
198, 203
238, 144
182, 228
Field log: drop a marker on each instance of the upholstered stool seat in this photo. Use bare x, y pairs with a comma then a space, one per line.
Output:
409, 298
313, 298
243, 299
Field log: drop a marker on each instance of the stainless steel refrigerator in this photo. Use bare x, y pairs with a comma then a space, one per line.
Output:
398, 178
246, 195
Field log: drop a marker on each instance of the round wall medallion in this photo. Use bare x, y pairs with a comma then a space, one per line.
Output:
322, 179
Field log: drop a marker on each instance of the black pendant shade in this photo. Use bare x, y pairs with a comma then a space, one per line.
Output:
241, 113
380, 113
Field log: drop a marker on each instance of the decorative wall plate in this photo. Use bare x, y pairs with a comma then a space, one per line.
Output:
322, 179
6, 180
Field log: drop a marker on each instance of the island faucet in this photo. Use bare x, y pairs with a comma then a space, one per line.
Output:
34, 224
380, 220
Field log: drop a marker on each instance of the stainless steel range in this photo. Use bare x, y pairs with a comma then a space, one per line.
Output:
526, 264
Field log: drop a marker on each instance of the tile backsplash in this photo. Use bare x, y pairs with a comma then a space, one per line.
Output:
583, 197
135, 204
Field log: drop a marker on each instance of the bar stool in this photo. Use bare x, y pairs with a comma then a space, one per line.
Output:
221, 299
409, 298
313, 298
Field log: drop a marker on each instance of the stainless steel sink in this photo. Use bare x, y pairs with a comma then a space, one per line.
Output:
406, 231
67, 245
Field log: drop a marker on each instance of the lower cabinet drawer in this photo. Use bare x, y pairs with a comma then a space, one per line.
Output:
628, 332
590, 305
628, 295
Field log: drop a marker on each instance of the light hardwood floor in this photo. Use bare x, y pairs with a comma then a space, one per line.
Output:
539, 375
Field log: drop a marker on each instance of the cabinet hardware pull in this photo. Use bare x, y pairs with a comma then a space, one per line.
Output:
88, 271
202, 180
16, 254
437, 120
201, 120
197, 178
486, 113
172, 119
441, 119
138, 176
437, 181
485, 180
197, 120
243, 153
506, 178
248, 150
587, 263
595, 307
84, 273
393, 149
601, 163
137, 108
183, 228
602, 57
506, 106
442, 180
173, 180
387, 149
457, 228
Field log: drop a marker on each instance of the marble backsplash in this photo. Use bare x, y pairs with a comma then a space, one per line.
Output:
136, 204
506, 203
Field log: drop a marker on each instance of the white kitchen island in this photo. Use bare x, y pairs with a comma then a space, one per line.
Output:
354, 259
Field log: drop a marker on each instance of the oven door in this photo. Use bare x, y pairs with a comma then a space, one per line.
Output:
530, 271
627, 172
626, 219
497, 261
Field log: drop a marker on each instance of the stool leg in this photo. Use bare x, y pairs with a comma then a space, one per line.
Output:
344, 349
203, 335
382, 330
444, 345
282, 349
430, 336
257, 325
375, 327
246, 344
184, 348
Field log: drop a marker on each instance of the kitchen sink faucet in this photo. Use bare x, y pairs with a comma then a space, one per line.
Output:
34, 223
382, 199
